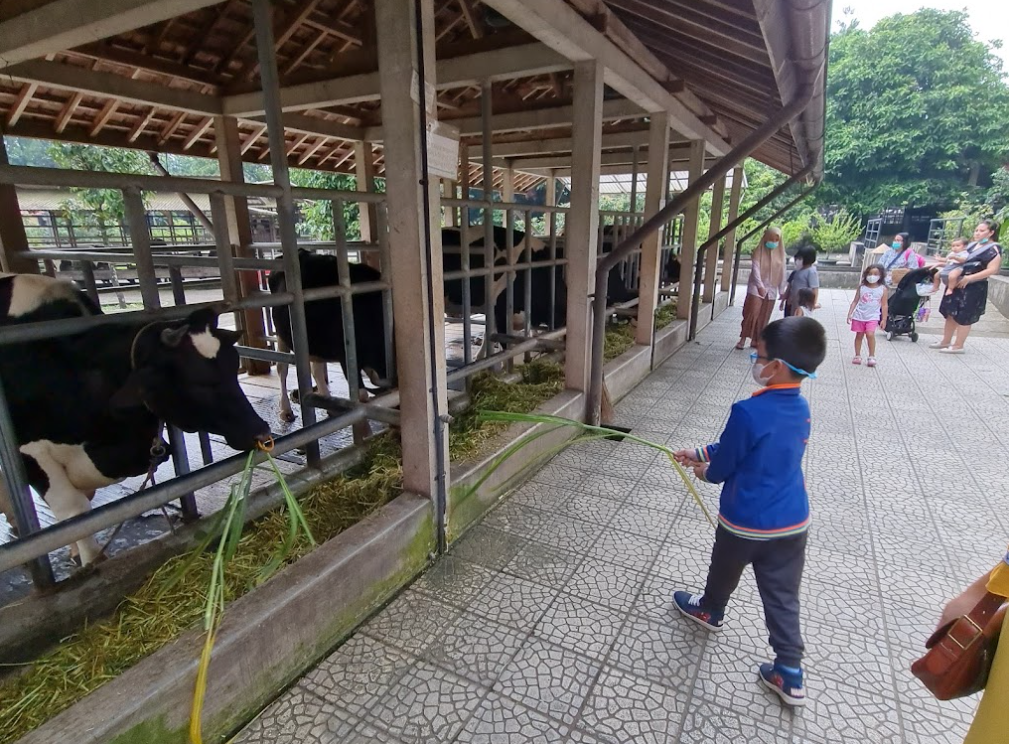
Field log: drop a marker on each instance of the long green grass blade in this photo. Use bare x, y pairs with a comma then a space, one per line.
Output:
601, 431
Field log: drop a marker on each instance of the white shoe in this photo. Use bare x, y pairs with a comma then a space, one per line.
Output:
951, 350
938, 345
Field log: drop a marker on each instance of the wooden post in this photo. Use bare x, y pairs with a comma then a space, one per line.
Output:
229, 158
13, 238
364, 171
634, 177
448, 191
729, 246
551, 195
688, 252
508, 185
582, 227
711, 258
651, 253
420, 332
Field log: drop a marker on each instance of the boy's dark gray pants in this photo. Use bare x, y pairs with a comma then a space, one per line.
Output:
777, 566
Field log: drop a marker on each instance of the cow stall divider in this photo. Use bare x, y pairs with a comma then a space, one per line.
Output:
499, 279
34, 543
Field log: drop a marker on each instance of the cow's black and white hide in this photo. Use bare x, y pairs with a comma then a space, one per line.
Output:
524, 248
88, 407
324, 321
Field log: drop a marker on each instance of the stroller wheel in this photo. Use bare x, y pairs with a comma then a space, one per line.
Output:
889, 335
914, 336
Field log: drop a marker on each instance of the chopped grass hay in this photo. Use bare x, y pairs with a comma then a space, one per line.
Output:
665, 315
155, 616
619, 338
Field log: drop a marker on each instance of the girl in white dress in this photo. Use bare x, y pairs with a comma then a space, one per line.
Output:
866, 311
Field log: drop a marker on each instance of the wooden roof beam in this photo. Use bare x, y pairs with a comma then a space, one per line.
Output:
544, 118
500, 64
108, 110
68, 111
23, 99
677, 152
198, 131
64, 24
82, 80
559, 26
558, 145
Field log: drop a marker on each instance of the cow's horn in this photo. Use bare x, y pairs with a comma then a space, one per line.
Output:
173, 336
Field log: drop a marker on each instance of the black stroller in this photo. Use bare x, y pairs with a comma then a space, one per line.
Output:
906, 300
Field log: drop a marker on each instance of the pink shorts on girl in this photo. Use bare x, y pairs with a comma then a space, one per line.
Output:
864, 326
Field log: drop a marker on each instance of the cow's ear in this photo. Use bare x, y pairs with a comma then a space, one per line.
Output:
130, 395
172, 337
227, 336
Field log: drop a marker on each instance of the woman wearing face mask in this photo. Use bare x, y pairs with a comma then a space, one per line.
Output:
964, 306
766, 282
900, 256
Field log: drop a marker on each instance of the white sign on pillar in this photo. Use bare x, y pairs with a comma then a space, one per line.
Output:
442, 150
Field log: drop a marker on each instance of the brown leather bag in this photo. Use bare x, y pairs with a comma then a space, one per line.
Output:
960, 653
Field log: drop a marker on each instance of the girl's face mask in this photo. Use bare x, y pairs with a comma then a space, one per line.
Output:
872, 278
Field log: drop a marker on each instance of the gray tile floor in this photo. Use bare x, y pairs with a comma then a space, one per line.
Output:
551, 621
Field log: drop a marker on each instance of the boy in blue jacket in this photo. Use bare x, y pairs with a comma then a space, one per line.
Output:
763, 511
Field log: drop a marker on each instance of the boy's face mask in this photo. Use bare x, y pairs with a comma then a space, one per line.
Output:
757, 370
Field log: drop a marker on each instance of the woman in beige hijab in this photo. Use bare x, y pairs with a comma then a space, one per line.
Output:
766, 282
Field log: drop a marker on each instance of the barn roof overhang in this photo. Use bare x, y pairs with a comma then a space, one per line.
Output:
159, 75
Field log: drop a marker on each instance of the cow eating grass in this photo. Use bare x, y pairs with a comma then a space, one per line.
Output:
88, 408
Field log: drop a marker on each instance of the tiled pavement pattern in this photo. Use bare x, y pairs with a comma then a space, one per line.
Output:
551, 621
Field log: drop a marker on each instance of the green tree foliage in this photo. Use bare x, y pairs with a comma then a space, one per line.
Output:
105, 206
916, 112
834, 235
316, 217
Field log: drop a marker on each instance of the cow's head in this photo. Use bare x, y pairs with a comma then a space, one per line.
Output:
186, 373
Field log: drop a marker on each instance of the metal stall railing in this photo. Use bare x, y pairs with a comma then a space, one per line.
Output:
35, 543
513, 245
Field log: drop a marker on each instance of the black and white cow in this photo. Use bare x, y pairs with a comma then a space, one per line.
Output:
540, 276
324, 321
88, 407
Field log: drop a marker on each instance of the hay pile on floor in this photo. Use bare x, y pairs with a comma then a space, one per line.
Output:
147, 620
665, 315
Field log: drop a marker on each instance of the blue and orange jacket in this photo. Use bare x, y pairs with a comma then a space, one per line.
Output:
758, 459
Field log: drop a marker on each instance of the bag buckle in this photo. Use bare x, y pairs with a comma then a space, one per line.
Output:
980, 632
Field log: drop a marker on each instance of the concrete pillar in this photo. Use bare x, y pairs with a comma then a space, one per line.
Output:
229, 158
551, 195
582, 227
711, 258
420, 343
13, 239
688, 251
729, 247
651, 253
448, 192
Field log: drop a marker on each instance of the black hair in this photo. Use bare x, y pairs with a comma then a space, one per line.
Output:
806, 255
993, 226
874, 267
800, 341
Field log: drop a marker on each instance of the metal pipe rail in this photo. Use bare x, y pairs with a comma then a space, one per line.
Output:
158, 259
502, 269
23, 175
501, 206
22, 332
756, 138
492, 361
739, 243
695, 300
59, 535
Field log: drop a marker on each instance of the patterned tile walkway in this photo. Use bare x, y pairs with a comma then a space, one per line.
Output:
551, 621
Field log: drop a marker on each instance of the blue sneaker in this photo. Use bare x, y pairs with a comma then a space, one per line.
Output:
689, 606
785, 684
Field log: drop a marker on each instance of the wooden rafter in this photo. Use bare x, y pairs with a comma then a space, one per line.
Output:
173, 124
108, 110
23, 99
298, 142
198, 131
253, 138
68, 111
312, 150
141, 125
475, 25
